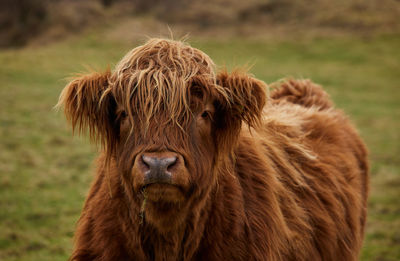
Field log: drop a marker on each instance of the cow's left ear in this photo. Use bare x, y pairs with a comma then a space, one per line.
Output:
243, 101
247, 96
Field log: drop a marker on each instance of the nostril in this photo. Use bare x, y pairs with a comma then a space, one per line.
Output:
170, 162
146, 160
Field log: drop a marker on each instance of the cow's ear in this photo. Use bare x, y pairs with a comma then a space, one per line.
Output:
89, 106
246, 95
243, 101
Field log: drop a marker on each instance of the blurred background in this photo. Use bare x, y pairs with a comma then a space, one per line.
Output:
351, 47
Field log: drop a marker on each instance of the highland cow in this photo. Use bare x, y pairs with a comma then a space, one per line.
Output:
198, 165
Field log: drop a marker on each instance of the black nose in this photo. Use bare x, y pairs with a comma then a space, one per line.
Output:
157, 169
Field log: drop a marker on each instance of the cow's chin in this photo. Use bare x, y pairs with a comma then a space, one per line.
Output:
163, 193
162, 206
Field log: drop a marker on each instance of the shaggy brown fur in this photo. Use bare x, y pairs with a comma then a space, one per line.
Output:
254, 178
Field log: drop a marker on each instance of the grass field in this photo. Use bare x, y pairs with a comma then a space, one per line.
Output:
45, 172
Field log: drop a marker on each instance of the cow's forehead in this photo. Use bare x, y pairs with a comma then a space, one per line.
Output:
156, 79
166, 56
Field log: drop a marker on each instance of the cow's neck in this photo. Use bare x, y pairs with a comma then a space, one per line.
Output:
181, 242
162, 246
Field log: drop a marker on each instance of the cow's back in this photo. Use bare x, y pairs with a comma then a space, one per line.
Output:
304, 177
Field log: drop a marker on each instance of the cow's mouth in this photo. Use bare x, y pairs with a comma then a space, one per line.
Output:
163, 192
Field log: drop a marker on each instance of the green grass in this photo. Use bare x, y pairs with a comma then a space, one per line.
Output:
45, 173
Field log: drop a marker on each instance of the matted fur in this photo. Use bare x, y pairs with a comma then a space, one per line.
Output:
279, 178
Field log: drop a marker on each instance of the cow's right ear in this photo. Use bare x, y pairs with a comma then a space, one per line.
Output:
89, 106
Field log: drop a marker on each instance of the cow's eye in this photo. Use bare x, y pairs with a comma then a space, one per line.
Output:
122, 115
206, 115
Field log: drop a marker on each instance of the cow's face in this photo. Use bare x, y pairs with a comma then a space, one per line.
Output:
167, 122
